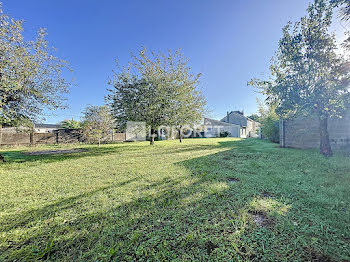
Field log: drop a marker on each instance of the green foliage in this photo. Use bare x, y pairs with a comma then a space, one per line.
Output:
157, 89
97, 123
30, 75
254, 117
270, 129
269, 121
308, 76
220, 199
224, 134
71, 124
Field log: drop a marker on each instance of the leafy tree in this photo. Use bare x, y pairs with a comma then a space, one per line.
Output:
97, 122
254, 117
188, 102
269, 121
30, 75
308, 76
157, 89
71, 124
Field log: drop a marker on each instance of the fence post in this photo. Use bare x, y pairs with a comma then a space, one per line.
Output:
57, 136
282, 134
31, 138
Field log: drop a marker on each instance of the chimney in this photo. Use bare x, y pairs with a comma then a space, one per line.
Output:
228, 117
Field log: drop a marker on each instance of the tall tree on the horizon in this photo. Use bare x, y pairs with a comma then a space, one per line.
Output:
71, 124
31, 77
308, 76
158, 89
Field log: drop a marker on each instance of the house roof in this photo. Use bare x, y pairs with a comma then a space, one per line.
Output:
213, 122
46, 126
238, 118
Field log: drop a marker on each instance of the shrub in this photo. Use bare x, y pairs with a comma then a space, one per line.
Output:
270, 129
269, 121
224, 134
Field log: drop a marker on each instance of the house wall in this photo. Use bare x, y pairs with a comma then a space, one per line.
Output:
44, 130
249, 127
214, 131
303, 132
235, 118
252, 128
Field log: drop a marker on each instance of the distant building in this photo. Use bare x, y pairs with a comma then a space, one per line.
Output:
249, 127
38, 128
45, 128
213, 128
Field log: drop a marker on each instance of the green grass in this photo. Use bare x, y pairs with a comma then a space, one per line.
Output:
203, 199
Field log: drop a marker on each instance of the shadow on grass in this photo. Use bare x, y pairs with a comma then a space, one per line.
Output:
22, 156
201, 216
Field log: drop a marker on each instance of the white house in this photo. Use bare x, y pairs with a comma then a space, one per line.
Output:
249, 127
213, 128
45, 128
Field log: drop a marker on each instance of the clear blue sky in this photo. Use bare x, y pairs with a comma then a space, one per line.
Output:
229, 41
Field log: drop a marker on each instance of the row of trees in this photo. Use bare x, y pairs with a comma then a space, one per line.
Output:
308, 75
155, 88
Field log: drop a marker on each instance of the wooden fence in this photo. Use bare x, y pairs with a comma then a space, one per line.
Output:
62, 136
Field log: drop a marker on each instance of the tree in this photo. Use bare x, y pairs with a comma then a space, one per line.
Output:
254, 117
71, 124
189, 102
308, 77
157, 89
30, 75
190, 108
97, 122
269, 121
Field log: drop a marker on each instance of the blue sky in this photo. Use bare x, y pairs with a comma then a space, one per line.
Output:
228, 41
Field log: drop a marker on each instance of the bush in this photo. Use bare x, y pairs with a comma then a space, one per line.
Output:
270, 129
224, 134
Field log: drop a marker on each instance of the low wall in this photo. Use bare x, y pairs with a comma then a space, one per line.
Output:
14, 138
11, 137
303, 132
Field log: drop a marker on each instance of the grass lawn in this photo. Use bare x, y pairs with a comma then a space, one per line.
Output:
203, 199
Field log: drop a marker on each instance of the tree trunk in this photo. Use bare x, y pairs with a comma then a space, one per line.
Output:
99, 142
325, 146
180, 134
152, 137
2, 159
